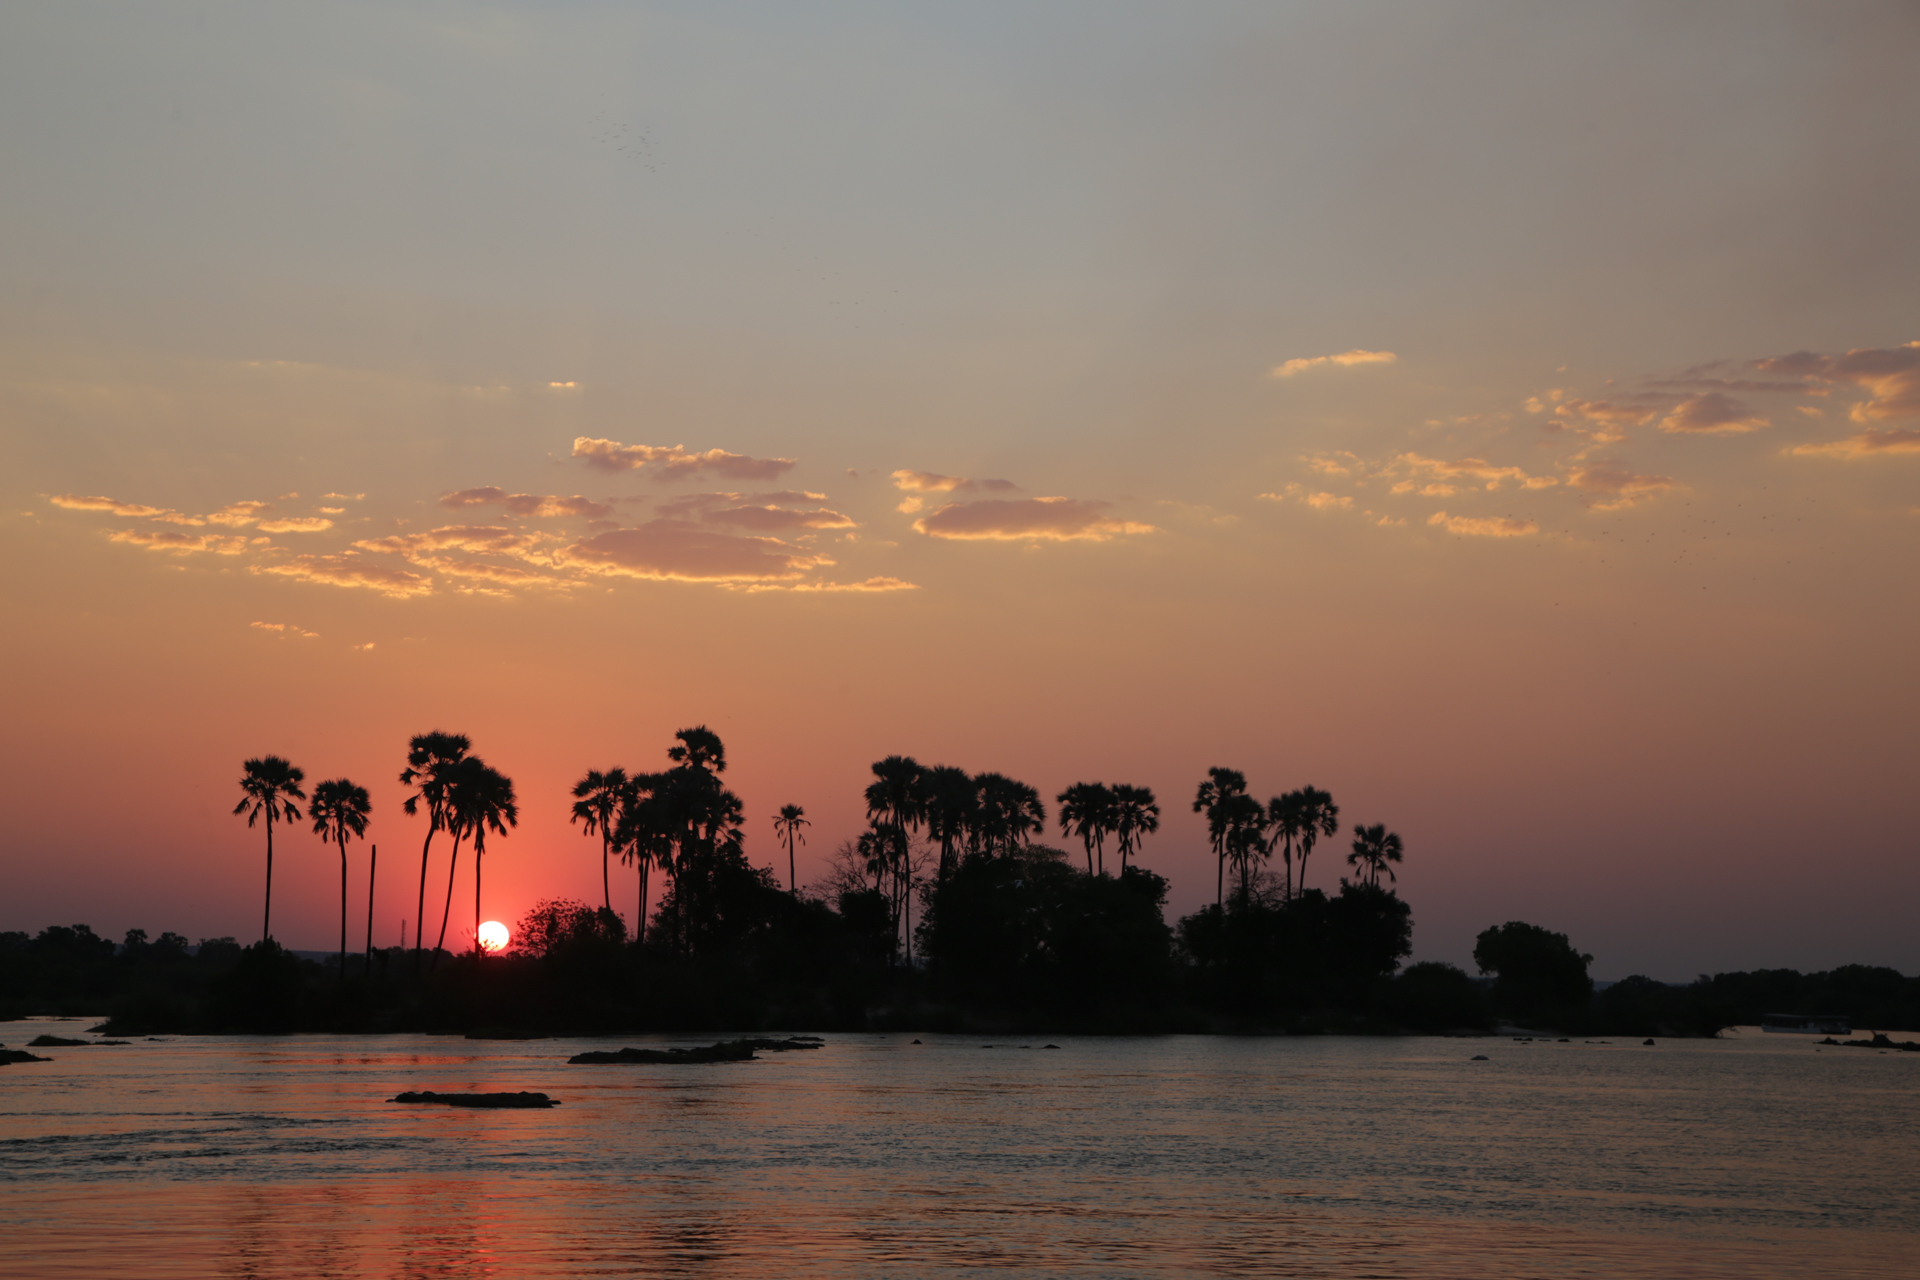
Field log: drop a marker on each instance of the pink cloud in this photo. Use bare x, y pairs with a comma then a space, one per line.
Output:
1026, 519
1711, 413
351, 571
1483, 526
1345, 360
1891, 376
543, 506
677, 550
672, 462
182, 543
1868, 444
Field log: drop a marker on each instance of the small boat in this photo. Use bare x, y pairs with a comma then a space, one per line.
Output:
1808, 1024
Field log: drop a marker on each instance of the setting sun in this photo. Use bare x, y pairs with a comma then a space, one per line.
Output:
493, 936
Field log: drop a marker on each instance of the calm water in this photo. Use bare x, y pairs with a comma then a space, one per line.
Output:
878, 1157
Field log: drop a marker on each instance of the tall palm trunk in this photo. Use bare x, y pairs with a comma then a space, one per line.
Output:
447, 911
343, 908
373, 865
640, 929
266, 919
606, 856
420, 914
479, 856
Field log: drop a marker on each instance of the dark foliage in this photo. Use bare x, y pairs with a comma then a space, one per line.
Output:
1539, 979
1271, 961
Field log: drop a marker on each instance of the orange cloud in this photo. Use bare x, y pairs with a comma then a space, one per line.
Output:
1483, 526
1868, 444
1025, 519
296, 524
1712, 413
677, 550
286, 629
1616, 413
525, 504
671, 462
869, 585
350, 571
77, 502
933, 482
238, 515
1890, 374
479, 539
505, 575
1346, 359
1619, 485
778, 519
182, 543
1472, 469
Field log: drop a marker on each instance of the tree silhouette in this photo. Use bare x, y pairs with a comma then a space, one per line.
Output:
486, 803
431, 760
596, 802
952, 805
786, 826
1215, 799
463, 778
339, 812
1135, 813
1245, 842
1009, 812
644, 836
1373, 848
897, 801
1319, 816
271, 786
1285, 822
1087, 811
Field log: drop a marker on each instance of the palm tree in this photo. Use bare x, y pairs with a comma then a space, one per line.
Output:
1373, 848
271, 785
1086, 810
1215, 799
460, 777
786, 826
486, 802
1319, 816
1135, 813
1284, 824
643, 836
1010, 811
431, 760
373, 866
339, 811
596, 799
952, 803
897, 800
1246, 821
700, 748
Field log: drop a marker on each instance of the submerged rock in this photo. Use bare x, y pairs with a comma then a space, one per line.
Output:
57, 1042
724, 1051
20, 1055
480, 1099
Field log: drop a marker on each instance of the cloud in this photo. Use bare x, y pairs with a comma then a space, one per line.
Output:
1318, 501
1619, 485
1346, 359
286, 629
778, 519
1868, 444
503, 574
296, 524
671, 462
1026, 519
1483, 526
238, 515
77, 502
350, 571
1634, 410
869, 585
934, 482
181, 543
678, 550
478, 539
1890, 374
1472, 469
1712, 413
525, 504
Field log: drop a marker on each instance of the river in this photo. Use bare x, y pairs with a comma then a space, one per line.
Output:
880, 1156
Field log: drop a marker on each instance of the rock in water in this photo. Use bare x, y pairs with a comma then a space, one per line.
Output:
489, 1100
725, 1051
20, 1055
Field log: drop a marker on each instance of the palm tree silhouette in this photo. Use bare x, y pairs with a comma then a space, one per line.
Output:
596, 801
339, 811
643, 836
486, 803
431, 760
1086, 810
1215, 799
1009, 812
952, 803
1245, 842
786, 826
1319, 816
271, 785
1373, 848
1135, 813
1285, 821
897, 800
461, 777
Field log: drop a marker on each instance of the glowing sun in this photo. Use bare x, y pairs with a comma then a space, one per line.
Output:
493, 936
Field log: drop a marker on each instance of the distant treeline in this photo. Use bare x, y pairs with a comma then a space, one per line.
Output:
945, 914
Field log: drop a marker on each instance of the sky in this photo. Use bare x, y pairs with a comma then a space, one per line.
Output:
1503, 416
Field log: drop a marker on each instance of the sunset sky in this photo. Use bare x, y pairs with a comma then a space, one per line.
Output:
1504, 416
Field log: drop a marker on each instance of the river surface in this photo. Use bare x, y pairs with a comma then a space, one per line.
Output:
1755, 1155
